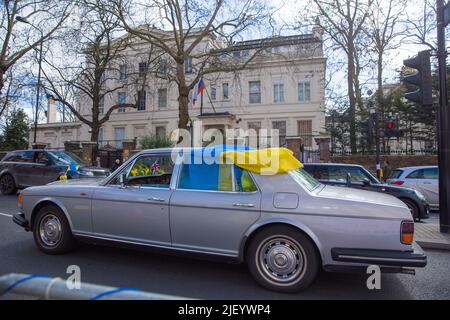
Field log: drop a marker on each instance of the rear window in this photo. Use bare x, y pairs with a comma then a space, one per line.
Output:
22, 156
395, 174
429, 173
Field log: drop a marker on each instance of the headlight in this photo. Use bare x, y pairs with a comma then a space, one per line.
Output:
420, 195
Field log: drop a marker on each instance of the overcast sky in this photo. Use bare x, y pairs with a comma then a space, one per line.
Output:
289, 12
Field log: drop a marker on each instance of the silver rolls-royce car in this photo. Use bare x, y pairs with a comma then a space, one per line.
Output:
285, 226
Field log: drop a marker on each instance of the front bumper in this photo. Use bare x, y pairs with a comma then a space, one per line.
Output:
412, 259
19, 218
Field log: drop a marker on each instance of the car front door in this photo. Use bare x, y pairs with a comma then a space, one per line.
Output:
212, 208
45, 171
137, 211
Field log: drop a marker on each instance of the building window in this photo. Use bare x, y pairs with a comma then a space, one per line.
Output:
281, 127
225, 89
213, 92
254, 91
162, 98
162, 70
304, 91
142, 97
278, 92
119, 134
122, 72
188, 65
122, 100
161, 131
305, 132
143, 68
101, 105
100, 138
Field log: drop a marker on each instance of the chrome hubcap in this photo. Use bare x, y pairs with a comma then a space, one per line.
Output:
281, 259
50, 230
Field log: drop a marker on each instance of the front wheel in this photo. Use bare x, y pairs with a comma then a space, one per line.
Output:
283, 259
52, 232
7, 185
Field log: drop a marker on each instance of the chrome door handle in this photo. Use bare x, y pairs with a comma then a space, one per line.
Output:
156, 199
245, 205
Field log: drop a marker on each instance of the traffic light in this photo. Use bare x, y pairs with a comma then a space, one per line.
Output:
421, 79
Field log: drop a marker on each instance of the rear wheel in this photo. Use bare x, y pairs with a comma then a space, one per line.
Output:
7, 185
413, 208
283, 259
52, 232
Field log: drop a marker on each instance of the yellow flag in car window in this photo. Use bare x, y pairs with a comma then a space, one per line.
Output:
265, 161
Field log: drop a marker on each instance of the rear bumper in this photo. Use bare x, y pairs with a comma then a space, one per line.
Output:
412, 259
19, 218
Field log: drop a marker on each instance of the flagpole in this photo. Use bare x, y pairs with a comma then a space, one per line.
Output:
201, 103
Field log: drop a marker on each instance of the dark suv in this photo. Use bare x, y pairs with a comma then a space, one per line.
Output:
21, 169
356, 176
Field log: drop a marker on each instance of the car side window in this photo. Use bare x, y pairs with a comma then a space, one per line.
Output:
357, 174
337, 174
42, 156
151, 171
418, 174
23, 156
207, 177
243, 180
431, 173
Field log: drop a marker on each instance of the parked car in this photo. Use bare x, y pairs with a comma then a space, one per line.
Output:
285, 226
424, 179
358, 177
22, 169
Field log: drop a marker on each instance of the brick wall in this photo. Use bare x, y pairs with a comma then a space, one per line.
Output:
396, 161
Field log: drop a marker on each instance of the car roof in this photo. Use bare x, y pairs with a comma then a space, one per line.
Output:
416, 168
334, 164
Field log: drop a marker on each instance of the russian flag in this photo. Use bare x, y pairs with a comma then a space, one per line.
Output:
198, 89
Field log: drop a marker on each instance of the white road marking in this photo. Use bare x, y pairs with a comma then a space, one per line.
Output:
6, 215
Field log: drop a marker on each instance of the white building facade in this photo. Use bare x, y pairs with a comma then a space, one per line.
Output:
281, 89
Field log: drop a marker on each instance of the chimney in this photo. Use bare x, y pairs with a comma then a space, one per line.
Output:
51, 110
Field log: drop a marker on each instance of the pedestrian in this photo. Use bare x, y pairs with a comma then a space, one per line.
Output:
116, 165
387, 170
97, 162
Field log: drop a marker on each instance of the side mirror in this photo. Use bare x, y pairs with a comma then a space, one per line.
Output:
123, 181
366, 182
349, 179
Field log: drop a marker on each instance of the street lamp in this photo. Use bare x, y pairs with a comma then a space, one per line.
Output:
38, 88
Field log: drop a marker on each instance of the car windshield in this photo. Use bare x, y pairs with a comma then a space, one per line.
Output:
64, 158
305, 179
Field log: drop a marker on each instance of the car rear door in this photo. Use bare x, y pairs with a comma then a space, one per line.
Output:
45, 171
212, 208
23, 168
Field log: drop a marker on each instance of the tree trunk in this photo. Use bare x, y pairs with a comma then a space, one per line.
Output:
183, 97
2, 81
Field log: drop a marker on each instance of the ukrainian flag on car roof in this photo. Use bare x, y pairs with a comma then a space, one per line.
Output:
73, 167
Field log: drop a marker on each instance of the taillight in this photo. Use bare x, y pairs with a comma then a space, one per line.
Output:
407, 232
398, 183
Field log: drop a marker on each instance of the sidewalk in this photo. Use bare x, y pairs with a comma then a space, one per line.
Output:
428, 236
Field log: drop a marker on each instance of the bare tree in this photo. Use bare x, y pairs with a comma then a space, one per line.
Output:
43, 18
195, 36
96, 71
422, 26
385, 30
343, 21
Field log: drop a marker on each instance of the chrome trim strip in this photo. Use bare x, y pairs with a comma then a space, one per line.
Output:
378, 259
81, 234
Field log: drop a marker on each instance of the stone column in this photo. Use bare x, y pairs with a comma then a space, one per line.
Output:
128, 147
72, 146
88, 152
294, 144
324, 148
39, 146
